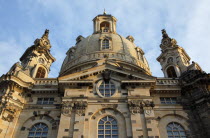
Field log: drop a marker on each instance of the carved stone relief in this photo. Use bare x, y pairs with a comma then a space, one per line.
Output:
77, 106
10, 111
138, 106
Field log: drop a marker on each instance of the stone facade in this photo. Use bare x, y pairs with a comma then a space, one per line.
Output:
105, 89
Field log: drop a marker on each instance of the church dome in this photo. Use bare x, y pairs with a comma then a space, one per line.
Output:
104, 43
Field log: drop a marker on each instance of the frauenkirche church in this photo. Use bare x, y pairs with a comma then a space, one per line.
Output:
105, 90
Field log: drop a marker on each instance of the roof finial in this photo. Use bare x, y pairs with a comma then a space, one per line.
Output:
104, 11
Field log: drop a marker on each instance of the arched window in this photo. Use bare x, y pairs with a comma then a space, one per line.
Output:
175, 130
38, 130
40, 73
105, 44
104, 26
171, 72
107, 128
107, 89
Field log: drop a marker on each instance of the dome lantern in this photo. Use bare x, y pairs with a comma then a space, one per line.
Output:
104, 23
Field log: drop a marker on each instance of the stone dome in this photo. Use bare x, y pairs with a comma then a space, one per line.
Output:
88, 51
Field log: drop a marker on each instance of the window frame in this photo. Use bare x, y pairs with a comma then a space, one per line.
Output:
41, 72
169, 100
170, 130
110, 91
45, 100
37, 129
105, 45
103, 127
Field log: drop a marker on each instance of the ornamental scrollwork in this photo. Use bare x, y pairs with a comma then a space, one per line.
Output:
10, 111
43, 43
67, 107
167, 41
138, 106
77, 106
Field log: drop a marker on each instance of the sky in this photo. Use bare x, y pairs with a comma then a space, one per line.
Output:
22, 21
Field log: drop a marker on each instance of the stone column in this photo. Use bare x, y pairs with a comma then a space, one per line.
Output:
144, 123
79, 124
72, 119
66, 120
137, 106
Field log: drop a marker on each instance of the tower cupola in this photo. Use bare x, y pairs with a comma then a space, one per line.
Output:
174, 59
104, 23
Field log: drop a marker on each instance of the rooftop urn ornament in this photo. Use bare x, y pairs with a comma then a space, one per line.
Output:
164, 34
43, 43
46, 33
167, 41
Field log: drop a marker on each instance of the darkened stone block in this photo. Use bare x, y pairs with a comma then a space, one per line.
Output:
23, 128
90, 113
66, 130
149, 129
76, 129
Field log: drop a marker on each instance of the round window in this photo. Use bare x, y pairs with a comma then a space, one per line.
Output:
107, 89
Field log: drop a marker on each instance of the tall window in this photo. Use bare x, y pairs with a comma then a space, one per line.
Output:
38, 130
105, 44
107, 128
171, 72
107, 89
175, 130
40, 73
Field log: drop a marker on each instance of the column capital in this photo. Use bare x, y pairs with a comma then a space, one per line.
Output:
77, 106
137, 106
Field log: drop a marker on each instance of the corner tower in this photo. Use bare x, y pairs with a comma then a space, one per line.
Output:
173, 59
16, 86
36, 60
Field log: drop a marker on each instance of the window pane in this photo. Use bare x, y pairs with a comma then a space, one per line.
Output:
108, 127
101, 136
114, 127
38, 134
101, 132
170, 133
108, 132
101, 127
101, 122
31, 134
114, 132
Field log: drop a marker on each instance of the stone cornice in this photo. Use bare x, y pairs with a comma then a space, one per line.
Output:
17, 80
99, 69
